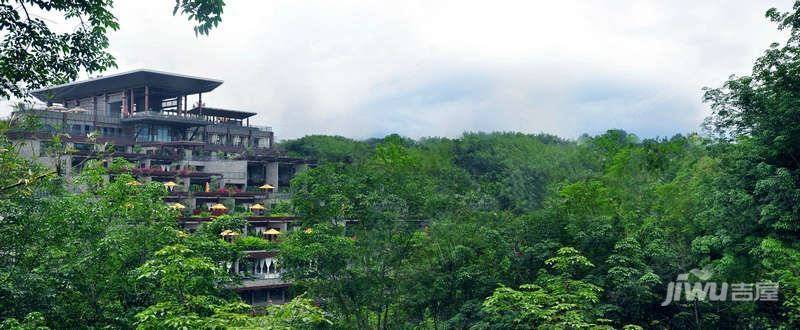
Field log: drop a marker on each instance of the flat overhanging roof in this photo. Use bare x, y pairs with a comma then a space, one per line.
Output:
171, 83
217, 112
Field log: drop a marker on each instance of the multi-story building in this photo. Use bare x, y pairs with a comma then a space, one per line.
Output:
205, 155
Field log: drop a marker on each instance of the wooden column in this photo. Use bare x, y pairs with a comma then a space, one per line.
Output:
94, 108
124, 103
179, 108
146, 98
133, 101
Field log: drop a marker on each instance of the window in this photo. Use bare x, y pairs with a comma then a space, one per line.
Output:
262, 142
163, 134
114, 109
143, 134
82, 146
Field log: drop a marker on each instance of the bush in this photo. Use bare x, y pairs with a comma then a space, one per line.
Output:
249, 243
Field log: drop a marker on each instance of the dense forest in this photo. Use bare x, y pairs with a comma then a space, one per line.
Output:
484, 231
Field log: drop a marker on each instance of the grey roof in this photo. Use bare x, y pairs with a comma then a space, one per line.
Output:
172, 83
218, 112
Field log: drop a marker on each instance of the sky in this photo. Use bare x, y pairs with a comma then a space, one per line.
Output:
440, 68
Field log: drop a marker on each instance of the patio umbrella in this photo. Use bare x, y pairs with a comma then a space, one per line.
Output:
177, 206
272, 231
266, 187
228, 232
257, 207
218, 206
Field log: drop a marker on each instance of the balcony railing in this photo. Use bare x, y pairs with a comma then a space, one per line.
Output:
162, 116
259, 276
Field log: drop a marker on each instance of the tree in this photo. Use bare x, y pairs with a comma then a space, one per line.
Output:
33, 54
556, 301
188, 292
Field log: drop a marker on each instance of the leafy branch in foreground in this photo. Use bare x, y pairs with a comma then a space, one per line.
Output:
33, 54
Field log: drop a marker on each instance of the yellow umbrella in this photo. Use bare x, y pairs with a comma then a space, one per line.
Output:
228, 232
134, 183
218, 206
266, 186
257, 207
170, 184
272, 231
177, 206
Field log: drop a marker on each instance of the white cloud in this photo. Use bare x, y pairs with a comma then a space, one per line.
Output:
427, 68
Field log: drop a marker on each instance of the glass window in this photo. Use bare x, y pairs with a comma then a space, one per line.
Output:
114, 109
143, 134
163, 134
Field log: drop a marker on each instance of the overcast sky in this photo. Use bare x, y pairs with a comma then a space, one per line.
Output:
439, 68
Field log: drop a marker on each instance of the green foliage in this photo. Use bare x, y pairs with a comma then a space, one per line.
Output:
175, 271
253, 243
234, 222
281, 209
326, 149
555, 302
204, 313
489, 230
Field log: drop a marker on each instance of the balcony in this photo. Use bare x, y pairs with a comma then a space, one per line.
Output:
155, 116
157, 172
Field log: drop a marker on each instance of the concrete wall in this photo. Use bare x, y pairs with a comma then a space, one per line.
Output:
233, 171
271, 173
30, 149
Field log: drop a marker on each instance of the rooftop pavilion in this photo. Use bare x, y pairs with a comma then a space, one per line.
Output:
146, 94
222, 116
149, 106
158, 84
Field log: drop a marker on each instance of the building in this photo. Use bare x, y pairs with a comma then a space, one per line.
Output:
211, 159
